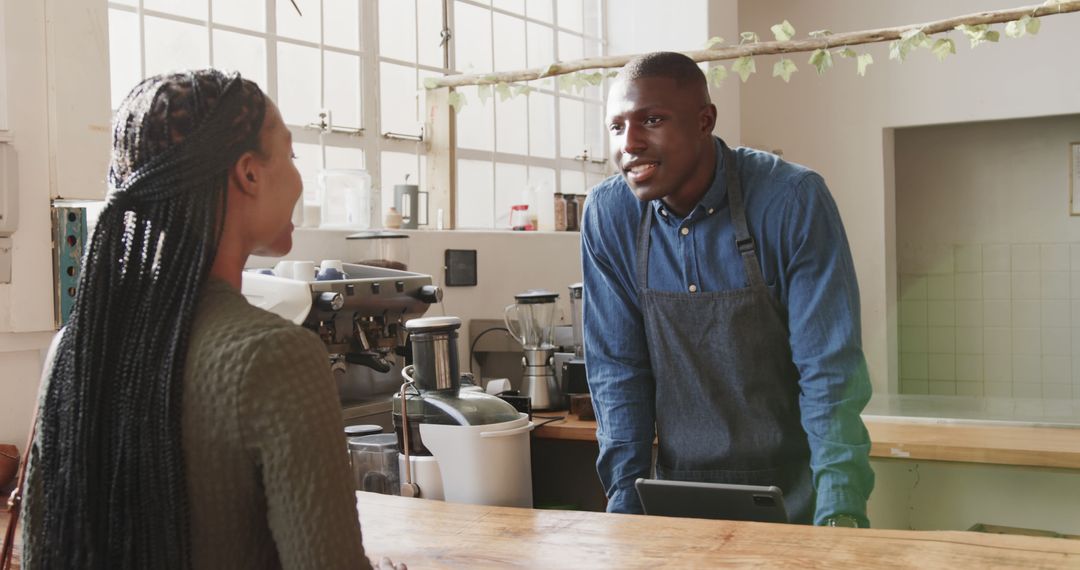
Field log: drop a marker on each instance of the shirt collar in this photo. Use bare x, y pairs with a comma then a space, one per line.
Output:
716, 193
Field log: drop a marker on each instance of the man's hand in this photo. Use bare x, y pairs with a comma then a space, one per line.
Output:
387, 564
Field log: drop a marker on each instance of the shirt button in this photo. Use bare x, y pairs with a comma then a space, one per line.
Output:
693, 288
684, 231
663, 212
710, 210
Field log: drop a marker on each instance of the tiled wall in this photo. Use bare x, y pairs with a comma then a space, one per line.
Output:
993, 319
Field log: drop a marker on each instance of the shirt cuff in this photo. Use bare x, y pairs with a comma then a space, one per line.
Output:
839, 502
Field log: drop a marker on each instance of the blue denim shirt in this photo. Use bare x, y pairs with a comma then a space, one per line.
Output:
807, 265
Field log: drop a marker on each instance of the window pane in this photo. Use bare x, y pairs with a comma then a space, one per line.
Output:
474, 54
541, 51
247, 14
173, 46
512, 187
573, 181
540, 10
243, 53
570, 14
308, 161
342, 89
475, 195
595, 133
293, 25
125, 2
395, 166
476, 124
298, 84
188, 8
422, 93
511, 120
594, 21
397, 29
542, 125
341, 23
542, 181
124, 70
397, 97
571, 127
571, 47
344, 157
510, 37
594, 178
515, 6
429, 26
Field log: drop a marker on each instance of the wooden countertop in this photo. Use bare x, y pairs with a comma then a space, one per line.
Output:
900, 438
433, 534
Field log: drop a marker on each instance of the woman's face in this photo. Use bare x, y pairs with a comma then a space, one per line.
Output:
279, 187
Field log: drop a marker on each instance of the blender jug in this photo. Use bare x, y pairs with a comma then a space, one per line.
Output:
534, 313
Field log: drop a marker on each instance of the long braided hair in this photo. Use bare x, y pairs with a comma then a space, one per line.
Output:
109, 452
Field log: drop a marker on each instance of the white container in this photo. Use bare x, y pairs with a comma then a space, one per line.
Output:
346, 199
478, 465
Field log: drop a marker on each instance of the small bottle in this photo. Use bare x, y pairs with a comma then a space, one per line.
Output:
560, 212
392, 220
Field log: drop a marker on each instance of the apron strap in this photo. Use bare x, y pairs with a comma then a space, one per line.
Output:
644, 230
743, 240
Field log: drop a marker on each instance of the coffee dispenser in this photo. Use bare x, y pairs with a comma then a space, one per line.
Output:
407, 203
534, 313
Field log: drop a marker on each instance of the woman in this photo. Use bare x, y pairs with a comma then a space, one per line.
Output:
180, 426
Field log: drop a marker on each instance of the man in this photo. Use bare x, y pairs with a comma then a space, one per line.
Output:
721, 310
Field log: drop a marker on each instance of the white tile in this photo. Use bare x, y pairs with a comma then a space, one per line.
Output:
942, 366
1056, 341
997, 340
913, 366
995, 314
942, 340
1026, 341
969, 286
1054, 257
969, 367
998, 389
1055, 313
912, 313
1057, 391
969, 340
942, 388
1057, 369
1026, 314
940, 259
1026, 368
1075, 314
969, 389
941, 287
941, 313
967, 257
914, 387
996, 258
1074, 253
997, 367
997, 285
1025, 257
1074, 285
1027, 391
1059, 407
1054, 284
969, 313
913, 339
1025, 285
912, 287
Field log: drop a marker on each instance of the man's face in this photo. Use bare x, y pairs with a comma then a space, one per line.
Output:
657, 132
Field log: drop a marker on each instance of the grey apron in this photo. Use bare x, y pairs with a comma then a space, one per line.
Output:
727, 392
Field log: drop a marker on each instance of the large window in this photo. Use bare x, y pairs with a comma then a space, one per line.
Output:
359, 66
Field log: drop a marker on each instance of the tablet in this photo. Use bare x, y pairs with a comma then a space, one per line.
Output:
712, 500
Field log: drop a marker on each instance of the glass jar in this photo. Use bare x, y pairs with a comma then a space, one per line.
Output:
346, 199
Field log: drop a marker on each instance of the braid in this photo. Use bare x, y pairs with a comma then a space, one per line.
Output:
109, 454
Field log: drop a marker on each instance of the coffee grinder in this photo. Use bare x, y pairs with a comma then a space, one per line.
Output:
534, 313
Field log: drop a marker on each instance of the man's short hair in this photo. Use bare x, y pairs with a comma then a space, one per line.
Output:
668, 64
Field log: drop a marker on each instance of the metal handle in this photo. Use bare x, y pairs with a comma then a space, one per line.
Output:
408, 488
506, 318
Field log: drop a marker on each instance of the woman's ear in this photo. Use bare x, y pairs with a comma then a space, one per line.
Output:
245, 174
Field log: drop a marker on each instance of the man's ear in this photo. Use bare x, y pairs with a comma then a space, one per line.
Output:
708, 119
245, 173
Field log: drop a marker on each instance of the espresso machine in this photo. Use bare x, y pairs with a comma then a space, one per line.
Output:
534, 313
455, 444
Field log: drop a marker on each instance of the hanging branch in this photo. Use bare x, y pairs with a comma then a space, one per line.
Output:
1051, 8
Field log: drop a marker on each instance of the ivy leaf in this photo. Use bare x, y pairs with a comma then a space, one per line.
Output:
748, 37
1032, 26
483, 93
1024, 26
744, 66
783, 31
898, 50
566, 82
978, 34
522, 90
784, 68
457, 100
612, 74
594, 79
549, 70
717, 74
916, 38
821, 59
818, 34
846, 52
942, 48
864, 60
713, 41
504, 91
430, 83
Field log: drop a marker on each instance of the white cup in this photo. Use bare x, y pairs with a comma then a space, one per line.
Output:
497, 385
312, 214
332, 263
284, 269
303, 270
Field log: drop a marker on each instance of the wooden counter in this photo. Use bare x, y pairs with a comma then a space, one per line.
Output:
898, 438
433, 534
